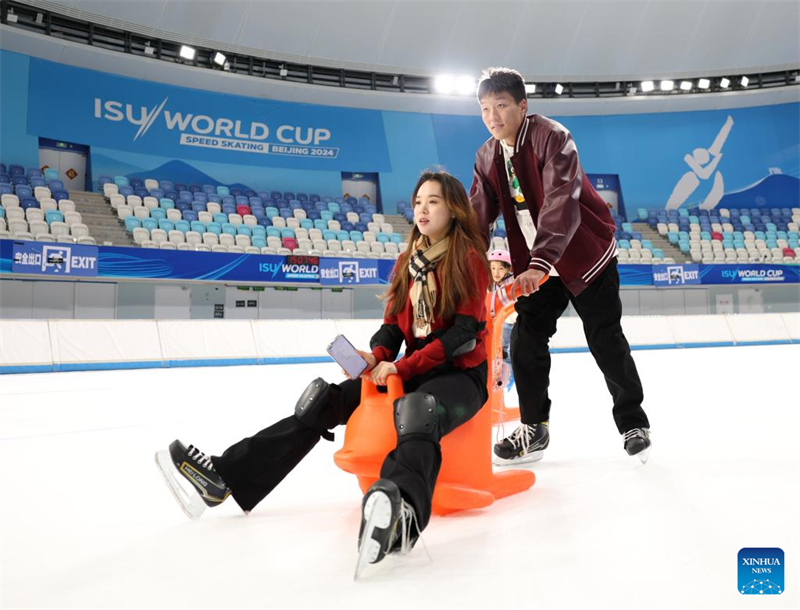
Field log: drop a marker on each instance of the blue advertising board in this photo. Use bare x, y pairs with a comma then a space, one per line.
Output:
75, 260
101, 109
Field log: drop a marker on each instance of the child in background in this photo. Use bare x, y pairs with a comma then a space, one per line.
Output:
502, 277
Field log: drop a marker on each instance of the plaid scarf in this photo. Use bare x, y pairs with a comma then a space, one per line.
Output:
423, 292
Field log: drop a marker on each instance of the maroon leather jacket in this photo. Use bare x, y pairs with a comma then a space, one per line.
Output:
574, 227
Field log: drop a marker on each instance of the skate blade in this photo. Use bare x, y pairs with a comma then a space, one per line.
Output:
533, 456
379, 514
188, 499
643, 455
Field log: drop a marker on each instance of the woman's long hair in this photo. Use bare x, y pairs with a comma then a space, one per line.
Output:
454, 269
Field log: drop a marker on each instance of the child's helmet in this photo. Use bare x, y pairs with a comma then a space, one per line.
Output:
500, 255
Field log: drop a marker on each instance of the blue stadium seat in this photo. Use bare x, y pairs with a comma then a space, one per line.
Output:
158, 213
23, 190
37, 182
136, 183
220, 218
214, 199
182, 226
361, 227
166, 204
214, 227
118, 180
222, 191
19, 180
307, 223
273, 232
166, 225
356, 236
53, 216
258, 231
148, 223
243, 230
200, 197
286, 213
209, 189
347, 226
131, 223
395, 238
343, 235
287, 232
321, 224
198, 226
325, 215
189, 215
59, 195
123, 190
229, 228
383, 238
258, 242
16, 170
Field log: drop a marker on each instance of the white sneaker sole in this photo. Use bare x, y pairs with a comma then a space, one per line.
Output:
183, 491
378, 514
528, 458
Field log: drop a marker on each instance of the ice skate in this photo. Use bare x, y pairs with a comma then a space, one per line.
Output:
191, 478
637, 442
526, 444
388, 525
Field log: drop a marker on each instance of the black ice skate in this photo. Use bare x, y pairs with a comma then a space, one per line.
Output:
526, 444
388, 525
637, 442
191, 478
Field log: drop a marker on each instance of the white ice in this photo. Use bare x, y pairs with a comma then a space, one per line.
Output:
87, 521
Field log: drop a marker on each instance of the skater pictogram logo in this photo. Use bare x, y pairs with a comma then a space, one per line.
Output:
761, 571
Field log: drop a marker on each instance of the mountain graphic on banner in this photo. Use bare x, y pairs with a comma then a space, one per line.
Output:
773, 191
180, 171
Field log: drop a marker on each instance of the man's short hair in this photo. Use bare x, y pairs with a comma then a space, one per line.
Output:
500, 80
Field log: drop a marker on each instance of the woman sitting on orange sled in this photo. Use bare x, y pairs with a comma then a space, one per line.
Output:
436, 306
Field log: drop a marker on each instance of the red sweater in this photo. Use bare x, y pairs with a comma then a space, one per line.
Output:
450, 339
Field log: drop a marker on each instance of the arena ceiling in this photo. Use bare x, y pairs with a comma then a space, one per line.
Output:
547, 41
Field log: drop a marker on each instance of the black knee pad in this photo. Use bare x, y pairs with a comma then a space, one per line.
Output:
415, 415
311, 401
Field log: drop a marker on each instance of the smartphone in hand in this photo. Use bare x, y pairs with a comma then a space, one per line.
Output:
343, 352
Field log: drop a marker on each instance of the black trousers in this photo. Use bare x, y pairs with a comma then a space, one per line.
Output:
254, 466
600, 310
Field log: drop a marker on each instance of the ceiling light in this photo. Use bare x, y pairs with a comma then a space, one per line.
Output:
743, 81
703, 83
667, 85
444, 84
148, 50
559, 89
465, 85
219, 59
187, 52
686, 85
632, 90
283, 72
724, 83
11, 17
530, 88
647, 86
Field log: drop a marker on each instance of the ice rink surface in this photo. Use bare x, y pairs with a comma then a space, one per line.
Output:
87, 521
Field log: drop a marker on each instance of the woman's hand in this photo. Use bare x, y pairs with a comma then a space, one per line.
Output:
382, 371
371, 362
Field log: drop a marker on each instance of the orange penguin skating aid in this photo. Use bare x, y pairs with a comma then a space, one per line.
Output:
466, 480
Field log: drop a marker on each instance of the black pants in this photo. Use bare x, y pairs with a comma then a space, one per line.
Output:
254, 466
600, 309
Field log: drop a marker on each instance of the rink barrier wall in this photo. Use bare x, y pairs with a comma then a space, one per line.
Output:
35, 346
